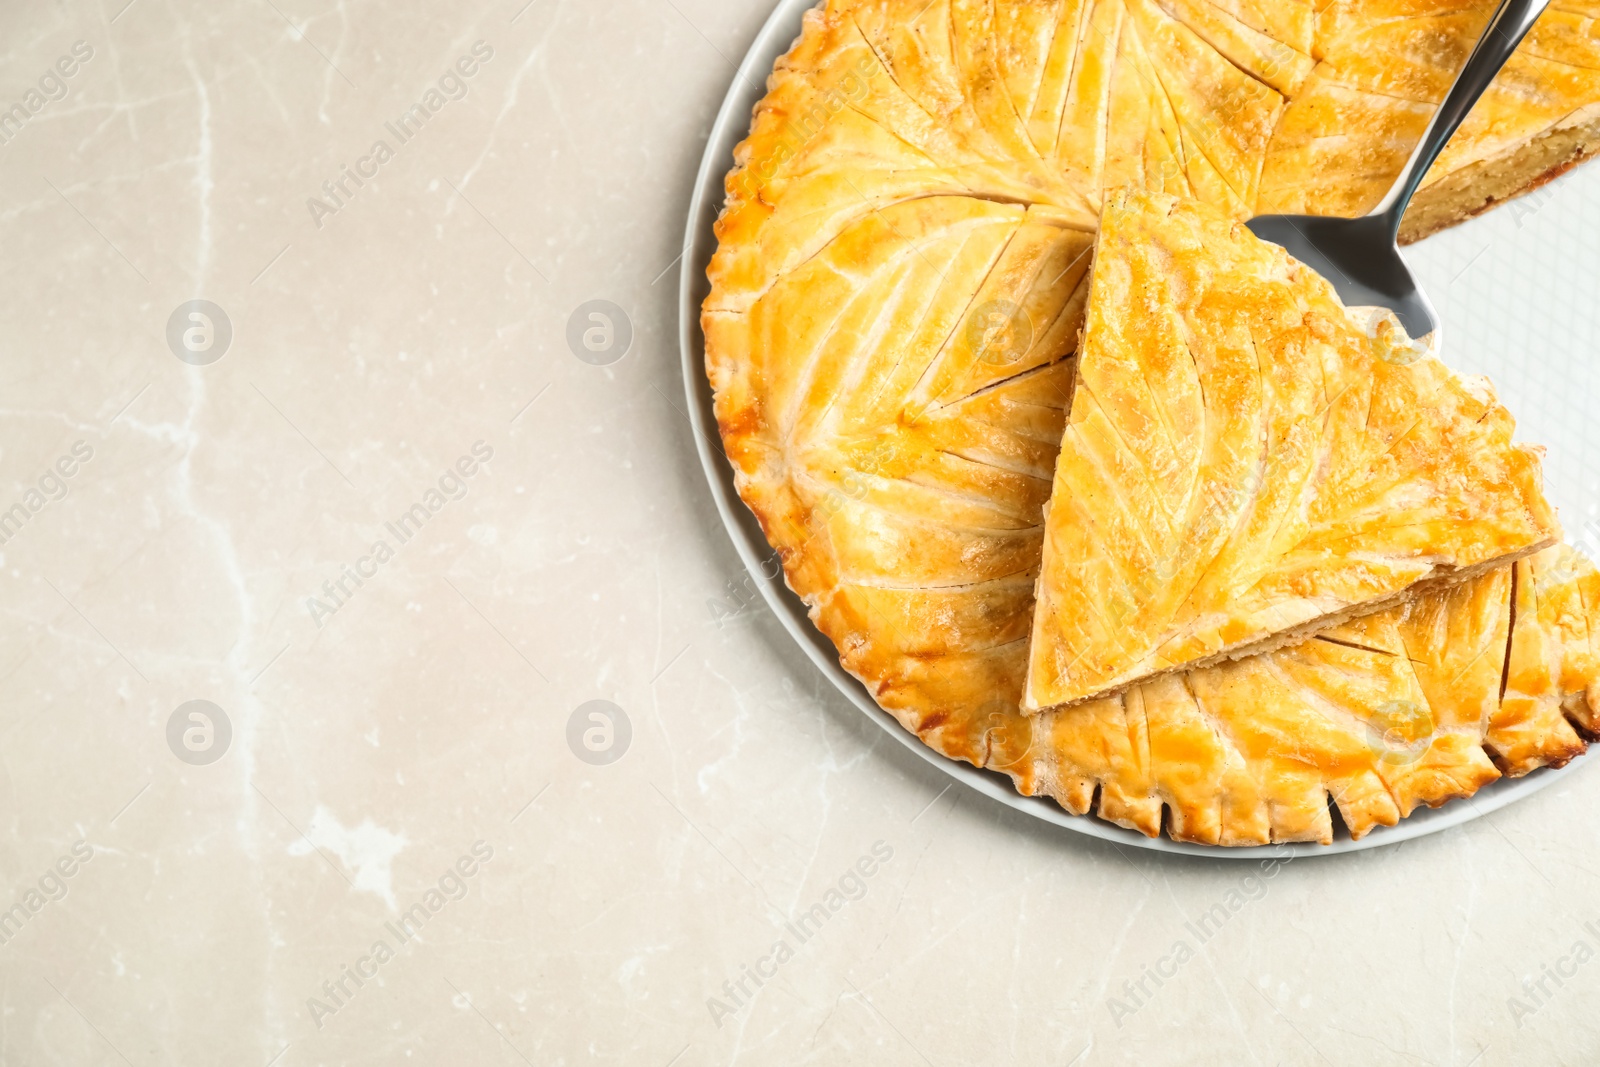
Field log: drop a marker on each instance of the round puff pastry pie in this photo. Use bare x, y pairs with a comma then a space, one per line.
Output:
901, 278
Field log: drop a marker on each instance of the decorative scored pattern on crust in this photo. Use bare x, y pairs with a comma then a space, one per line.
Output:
901, 277
1382, 715
1384, 63
1244, 460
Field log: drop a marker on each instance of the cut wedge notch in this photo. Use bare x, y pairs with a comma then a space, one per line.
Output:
1248, 462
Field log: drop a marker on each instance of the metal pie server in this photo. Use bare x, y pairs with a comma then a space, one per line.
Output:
1361, 256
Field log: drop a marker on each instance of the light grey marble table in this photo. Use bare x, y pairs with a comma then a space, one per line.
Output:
370, 507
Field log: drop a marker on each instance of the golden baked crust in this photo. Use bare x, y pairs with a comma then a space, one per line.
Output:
1382, 65
1245, 461
1416, 705
902, 271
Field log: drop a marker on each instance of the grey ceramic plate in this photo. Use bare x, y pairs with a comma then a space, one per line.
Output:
733, 122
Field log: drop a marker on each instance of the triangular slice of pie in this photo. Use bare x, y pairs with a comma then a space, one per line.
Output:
1247, 462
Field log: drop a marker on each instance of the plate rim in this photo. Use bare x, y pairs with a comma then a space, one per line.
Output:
774, 39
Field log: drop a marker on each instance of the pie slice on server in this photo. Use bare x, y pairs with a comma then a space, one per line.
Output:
1247, 462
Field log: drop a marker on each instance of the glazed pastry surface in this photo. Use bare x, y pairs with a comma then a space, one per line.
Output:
1247, 462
